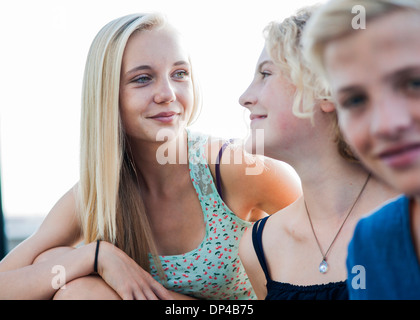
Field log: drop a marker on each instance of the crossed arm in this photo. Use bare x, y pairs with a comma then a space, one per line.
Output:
27, 271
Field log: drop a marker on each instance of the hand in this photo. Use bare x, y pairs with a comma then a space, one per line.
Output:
126, 277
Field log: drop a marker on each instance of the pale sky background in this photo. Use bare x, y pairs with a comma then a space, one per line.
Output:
43, 50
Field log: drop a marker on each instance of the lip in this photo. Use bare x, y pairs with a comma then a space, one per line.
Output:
257, 116
402, 156
165, 117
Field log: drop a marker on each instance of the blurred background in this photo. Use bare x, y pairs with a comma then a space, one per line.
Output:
44, 47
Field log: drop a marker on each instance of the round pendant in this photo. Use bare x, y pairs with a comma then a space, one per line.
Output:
323, 266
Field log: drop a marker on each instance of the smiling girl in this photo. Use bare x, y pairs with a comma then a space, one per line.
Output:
149, 231
299, 253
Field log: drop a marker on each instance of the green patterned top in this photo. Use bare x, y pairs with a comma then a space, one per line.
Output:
212, 270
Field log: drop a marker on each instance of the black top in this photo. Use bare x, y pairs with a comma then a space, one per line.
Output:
286, 291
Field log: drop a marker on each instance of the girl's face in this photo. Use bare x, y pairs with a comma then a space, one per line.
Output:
269, 97
156, 91
375, 78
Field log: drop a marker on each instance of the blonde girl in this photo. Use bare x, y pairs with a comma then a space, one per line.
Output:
148, 230
300, 252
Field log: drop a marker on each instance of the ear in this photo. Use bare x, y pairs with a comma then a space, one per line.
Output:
327, 106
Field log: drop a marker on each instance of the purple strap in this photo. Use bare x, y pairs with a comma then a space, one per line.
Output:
218, 159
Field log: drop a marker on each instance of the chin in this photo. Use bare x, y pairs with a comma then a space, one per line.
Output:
409, 186
169, 133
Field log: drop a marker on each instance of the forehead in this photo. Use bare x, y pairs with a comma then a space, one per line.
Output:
264, 55
388, 43
264, 60
150, 47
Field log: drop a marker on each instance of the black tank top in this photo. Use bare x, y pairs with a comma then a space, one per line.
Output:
286, 291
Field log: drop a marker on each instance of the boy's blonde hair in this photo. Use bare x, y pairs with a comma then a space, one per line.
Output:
334, 20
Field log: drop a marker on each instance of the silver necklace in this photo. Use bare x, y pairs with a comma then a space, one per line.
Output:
323, 266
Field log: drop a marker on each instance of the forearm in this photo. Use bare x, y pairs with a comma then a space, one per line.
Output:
42, 280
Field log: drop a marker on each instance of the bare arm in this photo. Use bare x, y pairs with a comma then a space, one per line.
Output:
37, 281
20, 279
252, 265
254, 186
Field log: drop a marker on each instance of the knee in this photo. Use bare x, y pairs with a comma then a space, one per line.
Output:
87, 288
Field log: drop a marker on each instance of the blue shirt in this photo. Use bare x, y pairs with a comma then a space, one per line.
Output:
382, 262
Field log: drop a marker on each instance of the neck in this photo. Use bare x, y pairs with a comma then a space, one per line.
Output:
330, 183
332, 191
160, 164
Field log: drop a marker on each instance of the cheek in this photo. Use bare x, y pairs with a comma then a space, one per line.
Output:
355, 133
127, 121
285, 129
127, 101
415, 112
131, 109
188, 97
283, 118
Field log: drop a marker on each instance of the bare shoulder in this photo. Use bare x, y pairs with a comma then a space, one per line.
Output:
64, 218
235, 159
281, 228
252, 185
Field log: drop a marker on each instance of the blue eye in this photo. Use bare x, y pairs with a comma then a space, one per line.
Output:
265, 74
142, 79
413, 85
181, 74
354, 101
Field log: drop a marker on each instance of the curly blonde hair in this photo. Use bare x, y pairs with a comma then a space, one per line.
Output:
284, 45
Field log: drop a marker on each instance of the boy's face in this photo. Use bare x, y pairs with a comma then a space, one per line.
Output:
375, 78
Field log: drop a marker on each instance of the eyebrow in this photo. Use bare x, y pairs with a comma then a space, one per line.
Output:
402, 73
147, 67
391, 77
261, 65
347, 89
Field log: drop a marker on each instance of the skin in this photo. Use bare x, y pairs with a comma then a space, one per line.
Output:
375, 78
290, 249
155, 78
269, 98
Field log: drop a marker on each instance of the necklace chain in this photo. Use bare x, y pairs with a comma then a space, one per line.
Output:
323, 267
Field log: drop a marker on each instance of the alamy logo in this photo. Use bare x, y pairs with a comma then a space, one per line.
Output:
168, 152
359, 278
359, 20
59, 280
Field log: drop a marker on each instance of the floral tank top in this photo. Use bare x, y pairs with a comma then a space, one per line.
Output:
212, 270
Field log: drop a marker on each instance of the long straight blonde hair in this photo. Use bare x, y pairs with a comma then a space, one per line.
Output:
110, 204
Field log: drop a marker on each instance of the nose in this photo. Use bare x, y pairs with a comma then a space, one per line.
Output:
248, 98
391, 117
165, 92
